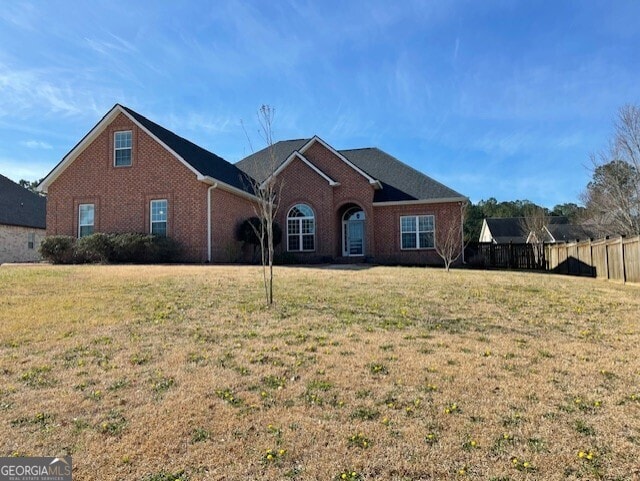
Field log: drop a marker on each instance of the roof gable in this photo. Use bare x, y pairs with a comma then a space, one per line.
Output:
315, 139
398, 182
308, 163
507, 229
21, 207
204, 164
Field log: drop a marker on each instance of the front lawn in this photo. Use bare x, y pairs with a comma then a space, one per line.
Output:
180, 372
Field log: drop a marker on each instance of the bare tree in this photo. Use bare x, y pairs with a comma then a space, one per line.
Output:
612, 197
267, 188
449, 242
534, 225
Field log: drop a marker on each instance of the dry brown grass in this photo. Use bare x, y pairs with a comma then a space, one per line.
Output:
143, 372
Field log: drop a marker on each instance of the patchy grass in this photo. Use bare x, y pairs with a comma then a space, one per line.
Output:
156, 373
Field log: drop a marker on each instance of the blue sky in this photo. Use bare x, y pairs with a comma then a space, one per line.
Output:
494, 98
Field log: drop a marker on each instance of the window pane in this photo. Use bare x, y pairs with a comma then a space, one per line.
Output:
294, 243
293, 226
159, 229
123, 140
86, 230
122, 148
307, 242
409, 241
408, 224
158, 211
301, 210
86, 214
425, 223
307, 226
426, 240
123, 157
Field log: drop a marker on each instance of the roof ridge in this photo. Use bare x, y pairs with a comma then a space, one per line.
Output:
131, 111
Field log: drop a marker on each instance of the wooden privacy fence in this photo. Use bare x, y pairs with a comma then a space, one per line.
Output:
615, 259
505, 256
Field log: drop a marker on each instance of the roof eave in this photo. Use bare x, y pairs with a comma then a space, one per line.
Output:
93, 134
441, 200
207, 179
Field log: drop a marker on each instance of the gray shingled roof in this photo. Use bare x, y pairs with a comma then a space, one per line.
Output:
399, 181
572, 232
205, 162
257, 164
21, 207
507, 229
510, 229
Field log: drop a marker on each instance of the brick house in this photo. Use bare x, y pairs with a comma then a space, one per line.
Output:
22, 222
129, 174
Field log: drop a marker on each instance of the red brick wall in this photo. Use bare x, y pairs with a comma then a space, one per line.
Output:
227, 212
382, 235
387, 231
301, 184
122, 194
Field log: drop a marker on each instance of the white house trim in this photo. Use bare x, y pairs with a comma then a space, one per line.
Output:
297, 155
223, 185
100, 127
374, 182
485, 233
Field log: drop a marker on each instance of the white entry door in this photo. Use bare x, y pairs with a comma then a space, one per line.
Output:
353, 233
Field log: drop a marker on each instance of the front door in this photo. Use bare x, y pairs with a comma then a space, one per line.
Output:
353, 233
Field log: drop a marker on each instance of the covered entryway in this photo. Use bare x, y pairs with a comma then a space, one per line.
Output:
353, 232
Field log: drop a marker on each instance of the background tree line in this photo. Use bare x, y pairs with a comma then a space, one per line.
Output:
514, 208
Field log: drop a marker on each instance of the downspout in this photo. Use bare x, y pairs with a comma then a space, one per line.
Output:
211, 187
462, 230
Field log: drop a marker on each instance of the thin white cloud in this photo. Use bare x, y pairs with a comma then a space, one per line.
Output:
22, 15
33, 91
36, 144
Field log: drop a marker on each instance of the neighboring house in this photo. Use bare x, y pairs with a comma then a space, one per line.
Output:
22, 222
129, 174
503, 230
512, 230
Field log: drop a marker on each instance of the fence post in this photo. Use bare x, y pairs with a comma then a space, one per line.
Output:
624, 267
511, 254
606, 257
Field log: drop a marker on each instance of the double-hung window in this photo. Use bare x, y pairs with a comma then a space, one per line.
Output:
31, 240
301, 229
122, 148
417, 232
158, 225
86, 219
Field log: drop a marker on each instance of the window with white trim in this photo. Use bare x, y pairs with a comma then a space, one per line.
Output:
158, 224
31, 240
417, 232
301, 229
86, 219
122, 148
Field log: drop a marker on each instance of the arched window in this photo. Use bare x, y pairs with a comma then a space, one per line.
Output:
301, 229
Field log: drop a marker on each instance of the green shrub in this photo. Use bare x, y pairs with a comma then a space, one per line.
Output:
58, 249
247, 232
131, 248
110, 248
164, 249
144, 248
94, 248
